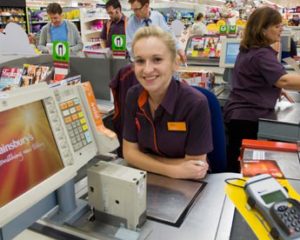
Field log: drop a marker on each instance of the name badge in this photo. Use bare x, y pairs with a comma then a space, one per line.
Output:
177, 126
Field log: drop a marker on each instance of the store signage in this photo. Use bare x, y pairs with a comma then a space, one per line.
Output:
61, 57
223, 29
61, 51
119, 42
232, 29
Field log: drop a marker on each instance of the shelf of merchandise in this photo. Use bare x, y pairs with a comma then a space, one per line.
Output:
13, 14
92, 21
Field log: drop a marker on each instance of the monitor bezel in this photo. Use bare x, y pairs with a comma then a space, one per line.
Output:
17, 206
225, 43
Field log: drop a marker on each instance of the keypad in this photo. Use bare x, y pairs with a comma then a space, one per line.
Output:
76, 123
288, 216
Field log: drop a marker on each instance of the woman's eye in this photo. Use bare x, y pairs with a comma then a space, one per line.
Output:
139, 61
157, 60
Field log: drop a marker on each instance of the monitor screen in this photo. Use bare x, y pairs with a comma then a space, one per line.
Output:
28, 151
229, 51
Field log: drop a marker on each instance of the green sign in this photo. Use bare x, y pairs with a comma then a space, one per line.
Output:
61, 51
232, 29
118, 42
223, 29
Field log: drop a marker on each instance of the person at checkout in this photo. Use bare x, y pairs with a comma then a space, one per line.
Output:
258, 81
167, 126
59, 29
115, 26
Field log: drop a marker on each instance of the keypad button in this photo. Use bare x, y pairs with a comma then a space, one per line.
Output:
71, 134
76, 101
85, 127
66, 112
88, 137
70, 103
82, 121
282, 208
80, 115
82, 136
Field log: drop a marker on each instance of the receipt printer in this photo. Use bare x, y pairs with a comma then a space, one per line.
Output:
117, 194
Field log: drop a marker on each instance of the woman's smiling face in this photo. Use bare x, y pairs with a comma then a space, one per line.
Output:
153, 64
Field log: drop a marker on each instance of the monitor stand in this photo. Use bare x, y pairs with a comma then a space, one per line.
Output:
227, 76
69, 208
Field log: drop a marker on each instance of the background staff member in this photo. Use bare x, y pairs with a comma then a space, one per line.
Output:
144, 16
199, 28
257, 81
59, 30
116, 24
167, 123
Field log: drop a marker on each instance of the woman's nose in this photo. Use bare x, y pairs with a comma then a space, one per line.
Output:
148, 66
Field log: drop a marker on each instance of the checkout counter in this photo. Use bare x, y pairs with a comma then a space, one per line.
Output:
284, 125
211, 215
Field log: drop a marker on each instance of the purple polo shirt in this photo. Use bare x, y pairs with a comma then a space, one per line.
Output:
253, 93
181, 124
115, 28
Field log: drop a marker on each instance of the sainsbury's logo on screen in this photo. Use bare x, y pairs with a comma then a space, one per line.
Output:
4, 148
28, 150
13, 145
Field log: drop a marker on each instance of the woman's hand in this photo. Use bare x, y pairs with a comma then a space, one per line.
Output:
288, 97
190, 169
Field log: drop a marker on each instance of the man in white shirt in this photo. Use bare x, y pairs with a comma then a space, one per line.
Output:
144, 16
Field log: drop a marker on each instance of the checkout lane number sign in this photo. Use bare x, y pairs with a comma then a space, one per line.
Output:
118, 42
61, 51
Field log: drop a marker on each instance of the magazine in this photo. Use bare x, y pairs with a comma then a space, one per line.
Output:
10, 78
34, 74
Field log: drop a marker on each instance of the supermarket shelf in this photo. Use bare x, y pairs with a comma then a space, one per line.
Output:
93, 31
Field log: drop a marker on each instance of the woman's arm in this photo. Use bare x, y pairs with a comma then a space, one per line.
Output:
289, 82
183, 168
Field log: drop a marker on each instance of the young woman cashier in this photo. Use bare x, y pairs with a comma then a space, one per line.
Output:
167, 124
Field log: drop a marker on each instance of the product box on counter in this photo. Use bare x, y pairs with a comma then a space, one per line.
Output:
196, 77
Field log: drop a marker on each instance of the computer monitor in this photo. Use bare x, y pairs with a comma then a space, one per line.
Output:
229, 51
37, 155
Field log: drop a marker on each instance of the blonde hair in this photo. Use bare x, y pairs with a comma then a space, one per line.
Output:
154, 31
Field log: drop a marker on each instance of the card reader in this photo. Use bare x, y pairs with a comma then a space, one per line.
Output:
272, 201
